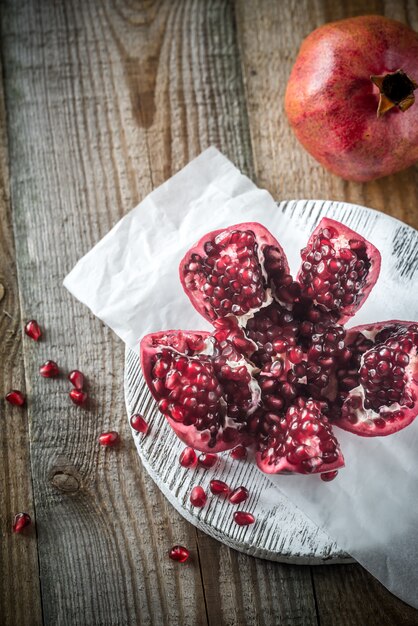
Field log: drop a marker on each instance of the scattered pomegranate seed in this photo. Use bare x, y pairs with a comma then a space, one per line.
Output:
240, 494
33, 330
77, 396
179, 554
243, 519
49, 369
188, 458
15, 397
21, 521
240, 452
207, 459
218, 487
109, 439
328, 476
138, 423
198, 496
77, 379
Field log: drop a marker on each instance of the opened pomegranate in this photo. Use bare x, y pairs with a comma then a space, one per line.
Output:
350, 97
279, 369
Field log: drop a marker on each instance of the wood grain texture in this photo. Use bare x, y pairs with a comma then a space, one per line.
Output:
269, 35
105, 101
19, 573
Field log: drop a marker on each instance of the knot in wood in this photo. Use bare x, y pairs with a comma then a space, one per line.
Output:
65, 478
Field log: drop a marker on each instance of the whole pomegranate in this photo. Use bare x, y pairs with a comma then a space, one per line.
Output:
350, 97
279, 370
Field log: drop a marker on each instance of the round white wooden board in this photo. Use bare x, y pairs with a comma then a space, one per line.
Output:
282, 532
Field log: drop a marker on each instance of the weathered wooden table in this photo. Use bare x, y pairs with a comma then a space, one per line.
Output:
102, 101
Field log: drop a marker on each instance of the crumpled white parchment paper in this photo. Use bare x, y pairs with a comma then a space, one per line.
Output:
130, 281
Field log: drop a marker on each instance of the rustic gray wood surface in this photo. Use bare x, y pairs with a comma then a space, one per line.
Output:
104, 101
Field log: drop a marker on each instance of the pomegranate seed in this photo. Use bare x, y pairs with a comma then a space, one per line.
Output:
15, 397
49, 369
240, 494
243, 519
240, 452
77, 379
138, 423
33, 330
198, 497
109, 439
21, 521
207, 459
188, 458
329, 476
77, 396
218, 487
179, 554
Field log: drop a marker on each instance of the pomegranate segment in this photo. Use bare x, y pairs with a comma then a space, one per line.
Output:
243, 518
204, 387
15, 397
301, 441
207, 460
198, 496
77, 379
219, 487
379, 387
188, 458
21, 521
138, 423
78, 397
49, 369
238, 495
109, 439
238, 453
179, 554
339, 269
33, 330
232, 271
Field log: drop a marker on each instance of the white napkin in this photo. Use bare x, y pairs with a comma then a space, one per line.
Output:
130, 281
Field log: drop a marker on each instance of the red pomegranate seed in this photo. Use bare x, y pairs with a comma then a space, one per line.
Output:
33, 330
207, 459
329, 476
77, 396
49, 369
198, 496
240, 494
138, 423
21, 521
243, 519
240, 452
109, 439
188, 458
218, 487
179, 554
77, 379
15, 397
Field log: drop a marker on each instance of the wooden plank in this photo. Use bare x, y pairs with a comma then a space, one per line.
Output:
269, 35
18, 553
260, 592
105, 101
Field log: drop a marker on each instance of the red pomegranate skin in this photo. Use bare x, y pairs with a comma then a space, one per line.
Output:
332, 104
